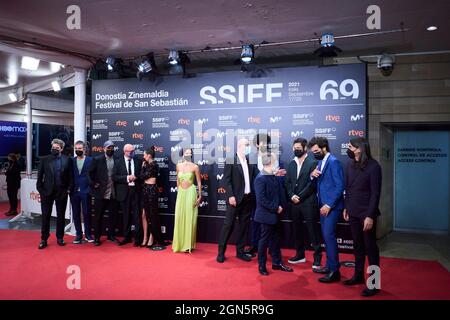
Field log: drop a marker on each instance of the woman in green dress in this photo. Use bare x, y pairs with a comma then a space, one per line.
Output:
186, 206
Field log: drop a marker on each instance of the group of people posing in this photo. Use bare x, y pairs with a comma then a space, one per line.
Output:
258, 190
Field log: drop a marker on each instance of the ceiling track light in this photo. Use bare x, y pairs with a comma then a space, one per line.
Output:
247, 53
110, 62
30, 63
147, 64
56, 85
12, 96
432, 28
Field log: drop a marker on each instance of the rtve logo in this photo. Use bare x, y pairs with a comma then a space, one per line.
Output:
121, 123
184, 121
333, 118
223, 148
241, 94
204, 135
97, 149
356, 133
221, 190
204, 176
139, 136
254, 120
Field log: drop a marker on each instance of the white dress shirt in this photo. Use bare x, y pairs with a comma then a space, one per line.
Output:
244, 165
130, 183
324, 161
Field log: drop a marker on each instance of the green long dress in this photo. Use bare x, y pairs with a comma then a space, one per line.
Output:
185, 229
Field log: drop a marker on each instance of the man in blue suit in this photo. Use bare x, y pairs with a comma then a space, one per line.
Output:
329, 177
79, 193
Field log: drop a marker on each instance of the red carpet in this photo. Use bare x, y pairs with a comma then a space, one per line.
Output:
111, 272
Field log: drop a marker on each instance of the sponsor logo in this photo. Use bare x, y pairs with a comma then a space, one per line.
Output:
204, 176
296, 134
275, 119
121, 123
173, 189
221, 190
97, 149
219, 176
202, 162
159, 149
138, 123
139, 136
241, 94
254, 120
13, 129
202, 121
333, 118
96, 136
356, 133
184, 121
324, 130
155, 135
204, 135
356, 117
175, 149
203, 204
223, 148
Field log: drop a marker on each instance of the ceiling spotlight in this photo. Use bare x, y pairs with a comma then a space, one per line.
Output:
110, 61
30, 63
56, 85
12, 97
173, 57
147, 64
432, 28
55, 66
327, 46
247, 53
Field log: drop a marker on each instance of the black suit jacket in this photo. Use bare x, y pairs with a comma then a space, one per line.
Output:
362, 190
302, 186
98, 174
13, 175
46, 175
120, 173
233, 178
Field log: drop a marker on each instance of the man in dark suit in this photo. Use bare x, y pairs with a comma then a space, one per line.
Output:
12, 183
238, 180
303, 196
102, 188
329, 177
54, 179
270, 201
126, 175
79, 193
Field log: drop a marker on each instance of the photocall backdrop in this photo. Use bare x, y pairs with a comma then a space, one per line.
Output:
207, 111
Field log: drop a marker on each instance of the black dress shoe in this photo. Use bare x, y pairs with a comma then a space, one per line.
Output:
331, 277
61, 242
322, 270
244, 257
282, 268
97, 242
124, 242
354, 280
263, 271
369, 292
42, 245
113, 239
220, 258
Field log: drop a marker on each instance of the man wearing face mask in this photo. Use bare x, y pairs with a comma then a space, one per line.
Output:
79, 193
238, 180
126, 175
102, 188
53, 182
303, 196
329, 177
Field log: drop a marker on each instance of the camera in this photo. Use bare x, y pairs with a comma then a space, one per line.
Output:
385, 64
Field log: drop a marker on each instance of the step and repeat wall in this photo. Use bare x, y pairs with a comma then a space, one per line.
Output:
209, 112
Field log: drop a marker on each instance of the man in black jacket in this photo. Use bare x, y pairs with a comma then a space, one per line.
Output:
238, 179
102, 188
54, 179
12, 183
301, 192
126, 174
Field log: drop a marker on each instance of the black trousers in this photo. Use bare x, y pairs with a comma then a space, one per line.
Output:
270, 233
12, 196
243, 211
150, 205
59, 198
310, 214
130, 211
365, 244
100, 206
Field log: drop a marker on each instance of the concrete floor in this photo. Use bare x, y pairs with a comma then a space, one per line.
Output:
417, 246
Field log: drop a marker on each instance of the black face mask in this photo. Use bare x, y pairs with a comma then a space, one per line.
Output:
187, 158
109, 153
79, 153
55, 152
263, 149
350, 154
319, 155
299, 153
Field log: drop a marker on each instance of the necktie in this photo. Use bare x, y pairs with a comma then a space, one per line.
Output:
129, 167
